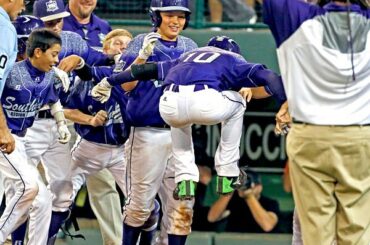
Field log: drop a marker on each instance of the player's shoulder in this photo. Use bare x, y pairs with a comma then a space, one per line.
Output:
188, 42
68, 35
135, 45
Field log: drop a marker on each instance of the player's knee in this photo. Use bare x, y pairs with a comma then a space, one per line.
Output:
152, 222
180, 220
136, 217
31, 190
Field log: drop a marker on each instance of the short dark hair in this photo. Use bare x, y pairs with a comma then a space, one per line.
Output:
43, 39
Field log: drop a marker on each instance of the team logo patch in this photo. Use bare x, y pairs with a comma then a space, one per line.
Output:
51, 6
101, 37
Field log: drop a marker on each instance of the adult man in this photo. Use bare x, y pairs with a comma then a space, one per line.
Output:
101, 186
9, 10
85, 23
323, 54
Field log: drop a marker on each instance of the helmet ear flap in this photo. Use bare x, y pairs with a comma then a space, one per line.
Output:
156, 18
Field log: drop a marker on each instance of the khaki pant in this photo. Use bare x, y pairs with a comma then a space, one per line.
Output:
104, 201
330, 173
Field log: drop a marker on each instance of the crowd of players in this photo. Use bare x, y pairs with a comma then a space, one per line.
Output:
133, 119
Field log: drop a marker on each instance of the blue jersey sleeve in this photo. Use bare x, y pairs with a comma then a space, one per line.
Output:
284, 17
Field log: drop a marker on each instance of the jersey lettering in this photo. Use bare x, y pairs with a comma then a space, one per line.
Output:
3, 60
206, 57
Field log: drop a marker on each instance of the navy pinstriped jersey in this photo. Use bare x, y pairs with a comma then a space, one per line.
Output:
143, 102
114, 131
26, 91
220, 70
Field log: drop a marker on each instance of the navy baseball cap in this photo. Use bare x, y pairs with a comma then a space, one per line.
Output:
48, 10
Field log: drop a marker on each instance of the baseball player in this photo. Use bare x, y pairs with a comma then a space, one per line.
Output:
149, 166
31, 84
41, 140
9, 10
202, 87
101, 187
24, 25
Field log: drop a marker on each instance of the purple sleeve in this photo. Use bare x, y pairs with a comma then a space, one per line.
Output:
272, 82
94, 57
284, 17
120, 78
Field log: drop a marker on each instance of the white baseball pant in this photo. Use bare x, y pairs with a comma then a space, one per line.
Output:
150, 169
26, 195
205, 107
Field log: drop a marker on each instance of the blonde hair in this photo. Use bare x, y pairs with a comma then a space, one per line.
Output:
115, 33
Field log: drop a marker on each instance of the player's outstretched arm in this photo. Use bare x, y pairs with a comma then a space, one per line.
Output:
79, 117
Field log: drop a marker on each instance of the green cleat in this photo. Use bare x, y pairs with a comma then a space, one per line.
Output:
225, 184
185, 190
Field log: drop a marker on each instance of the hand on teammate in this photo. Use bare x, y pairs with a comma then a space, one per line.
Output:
99, 119
283, 120
70, 63
246, 93
64, 134
101, 92
148, 45
63, 77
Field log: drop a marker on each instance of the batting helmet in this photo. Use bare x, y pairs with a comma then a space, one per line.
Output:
224, 42
24, 25
157, 6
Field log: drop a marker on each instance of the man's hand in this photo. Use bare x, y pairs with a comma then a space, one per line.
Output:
70, 63
101, 92
7, 142
148, 45
63, 77
246, 93
64, 134
99, 118
283, 120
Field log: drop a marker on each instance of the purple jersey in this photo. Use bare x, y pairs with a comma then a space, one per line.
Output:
220, 70
114, 131
26, 91
93, 33
72, 43
143, 102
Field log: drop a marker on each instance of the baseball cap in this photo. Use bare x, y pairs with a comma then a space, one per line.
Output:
48, 10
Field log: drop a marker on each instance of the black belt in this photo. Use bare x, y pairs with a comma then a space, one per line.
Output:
348, 125
19, 133
160, 126
45, 114
175, 87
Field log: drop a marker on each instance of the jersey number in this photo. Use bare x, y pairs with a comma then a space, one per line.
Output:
207, 57
3, 60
